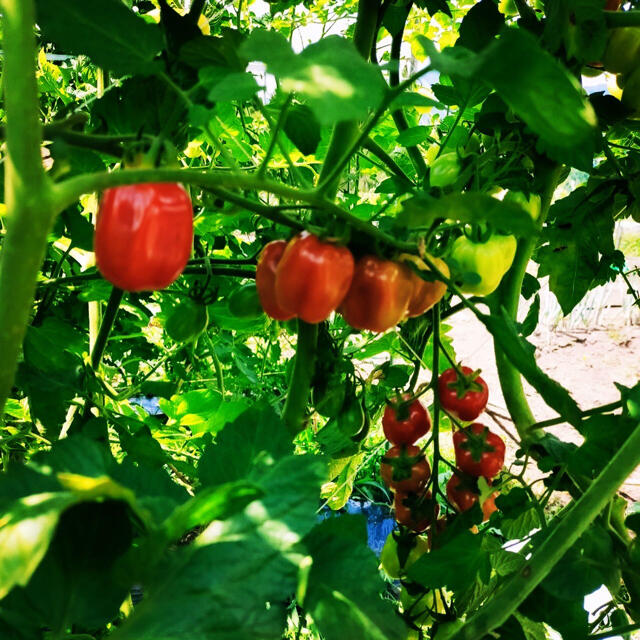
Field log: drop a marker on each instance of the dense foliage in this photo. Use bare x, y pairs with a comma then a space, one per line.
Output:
287, 200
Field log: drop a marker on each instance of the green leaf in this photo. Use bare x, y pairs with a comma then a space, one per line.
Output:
480, 25
413, 136
234, 582
337, 493
567, 130
422, 210
455, 565
245, 447
227, 86
114, 37
336, 83
567, 617
302, 128
521, 354
344, 585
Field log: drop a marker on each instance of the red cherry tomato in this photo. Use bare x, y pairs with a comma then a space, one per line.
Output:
407, 428
411, 471
266, 280
464, 498
379, 295
460, 497
479, 452
144, 235
464, 400
413, 511
313, 277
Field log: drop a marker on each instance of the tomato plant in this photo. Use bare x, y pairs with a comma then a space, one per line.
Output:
204, 355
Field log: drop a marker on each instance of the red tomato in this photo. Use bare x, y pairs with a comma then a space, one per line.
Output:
464, 498
479, 452
465, 400
460, 497
411, 472
379, 295
313, 277
144, 235
426, 293
266, 280
413, 511
410, 427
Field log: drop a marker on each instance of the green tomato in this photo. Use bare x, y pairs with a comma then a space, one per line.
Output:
444, 170
531, 204
490, 260
187, 321
622, 54
245, 303
631, 92
389, 557
351, 420
419, 607
328, 401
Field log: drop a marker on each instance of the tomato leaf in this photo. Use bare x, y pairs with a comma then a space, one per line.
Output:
473, 208
114, 37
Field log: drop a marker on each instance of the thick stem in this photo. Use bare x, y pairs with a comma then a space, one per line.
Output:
110, 314
515, 590
300, 383
622, 18
508, 297
435, 368
27, 190
346, 133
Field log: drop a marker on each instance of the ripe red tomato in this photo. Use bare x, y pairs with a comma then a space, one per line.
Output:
461, 497
144, 235
266, 280
465, 400
412, 424
411, 471
464, 497
426, 293
415, 512
313, 277
479, 452
379, 295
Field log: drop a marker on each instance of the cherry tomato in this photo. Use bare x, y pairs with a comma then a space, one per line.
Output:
313, 277
266, 280
413, 511
464, 497
465, 398
389, 556
489, 506
411, 425
379, 295
479, 452
426, 293
144, 234
410, 472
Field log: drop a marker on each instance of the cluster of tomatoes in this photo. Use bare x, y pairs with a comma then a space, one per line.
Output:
479, 453
309, 278
144, 235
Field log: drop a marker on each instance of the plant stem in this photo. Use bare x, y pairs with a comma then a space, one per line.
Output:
620, 631
622, 18
516, 589
110, 314
300, 383
435, 368
374, 148
605, 408
508, 297
29, 214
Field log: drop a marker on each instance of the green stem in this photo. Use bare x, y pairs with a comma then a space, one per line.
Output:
435, 369
110, 314
346, 133
29, 215
374, 148
217, 365
563, 536
300, 383
622, 18
605, 408
620, 631
508, 297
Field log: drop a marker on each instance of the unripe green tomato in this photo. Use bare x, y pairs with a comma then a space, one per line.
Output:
419, 607
531, 204
329, 401
631, 92
351, 419
187, 321
432, 153
389, 557
245, 303
444, 170
622, 54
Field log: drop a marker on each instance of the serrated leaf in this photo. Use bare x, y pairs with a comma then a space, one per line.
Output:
113, 37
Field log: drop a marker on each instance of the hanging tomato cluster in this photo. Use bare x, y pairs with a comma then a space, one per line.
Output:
144, 235
308, 278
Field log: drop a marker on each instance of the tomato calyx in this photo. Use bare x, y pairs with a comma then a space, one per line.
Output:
465, 382
404, 468
476, 443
